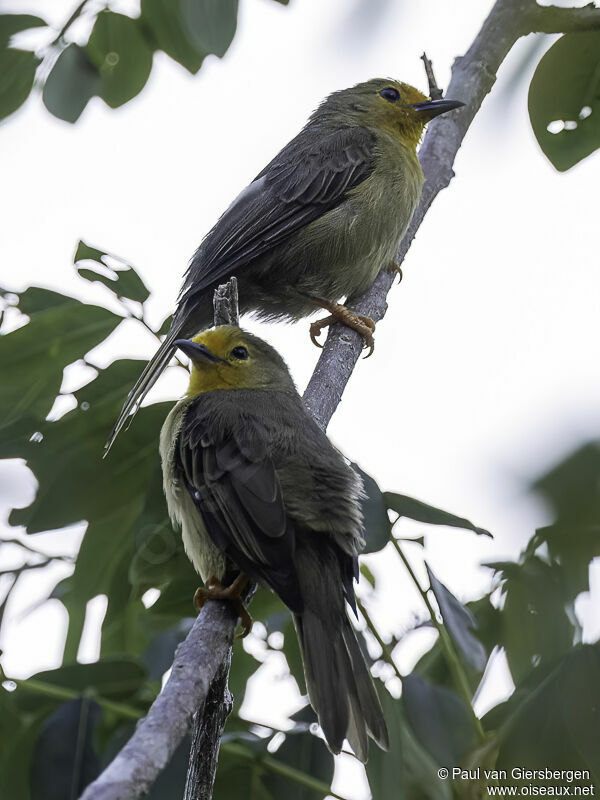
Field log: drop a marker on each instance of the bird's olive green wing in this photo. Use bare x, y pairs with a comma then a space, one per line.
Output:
311, 175
236, 490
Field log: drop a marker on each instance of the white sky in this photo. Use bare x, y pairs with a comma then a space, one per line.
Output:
484, 370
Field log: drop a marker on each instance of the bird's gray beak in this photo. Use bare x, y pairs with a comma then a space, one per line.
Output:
433, 108
197, 352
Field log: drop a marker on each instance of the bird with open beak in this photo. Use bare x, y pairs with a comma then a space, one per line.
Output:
317, 225
260, 493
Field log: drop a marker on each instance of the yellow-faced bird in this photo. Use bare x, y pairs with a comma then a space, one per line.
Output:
261, 494
317, 224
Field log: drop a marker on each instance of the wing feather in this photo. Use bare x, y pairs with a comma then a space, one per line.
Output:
235, 488
301, 184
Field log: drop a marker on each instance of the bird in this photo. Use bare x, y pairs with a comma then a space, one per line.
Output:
261, 495
316, 225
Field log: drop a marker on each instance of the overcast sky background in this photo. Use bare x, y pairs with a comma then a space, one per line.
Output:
485, 368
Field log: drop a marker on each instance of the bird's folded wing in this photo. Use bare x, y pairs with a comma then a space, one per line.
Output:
309, 177
236, 490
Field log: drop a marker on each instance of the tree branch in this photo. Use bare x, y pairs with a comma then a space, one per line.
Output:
554, 19
473, 76
135, 768
208, 645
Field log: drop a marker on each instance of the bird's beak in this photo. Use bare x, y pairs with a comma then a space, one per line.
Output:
433, 108
199, 353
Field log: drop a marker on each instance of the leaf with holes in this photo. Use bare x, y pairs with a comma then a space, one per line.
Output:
564, 99
116, 274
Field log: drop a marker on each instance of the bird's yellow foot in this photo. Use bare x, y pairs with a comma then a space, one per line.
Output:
214, 590
395, 267
338, 313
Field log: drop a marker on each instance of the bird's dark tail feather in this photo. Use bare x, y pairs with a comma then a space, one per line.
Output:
144, 383
339, 683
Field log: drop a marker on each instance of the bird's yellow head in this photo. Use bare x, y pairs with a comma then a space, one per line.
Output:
388, 105
229, 358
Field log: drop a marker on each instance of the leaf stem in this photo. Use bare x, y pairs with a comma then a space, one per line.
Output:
452, 659
63, 693
75, 15
385, 649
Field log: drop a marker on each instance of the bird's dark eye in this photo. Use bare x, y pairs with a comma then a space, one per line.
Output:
240, 352
390, 94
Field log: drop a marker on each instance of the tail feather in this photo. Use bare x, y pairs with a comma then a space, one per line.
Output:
369, 702
144, 383
339, 684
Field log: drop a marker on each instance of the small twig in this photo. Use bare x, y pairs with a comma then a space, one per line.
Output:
434, 90
75, 15
211, 716
208, 729
226, 304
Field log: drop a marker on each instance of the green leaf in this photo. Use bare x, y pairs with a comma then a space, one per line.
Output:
553, 720
35, 355
386, 770
17, 73
572, 488
121, 54
374, 510
459, 622
406, 770
72, 82
210, 24
422, 512
15, 23
536, 627
120, 277
240, 772
565, 90
18, 735
304, 752
439, 719
168, 28
65, 760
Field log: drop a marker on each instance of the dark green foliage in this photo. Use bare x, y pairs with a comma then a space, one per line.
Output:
71, 84
130, 547
459, 622
566, 89
64, 758
439, 719
116, 61
17, 73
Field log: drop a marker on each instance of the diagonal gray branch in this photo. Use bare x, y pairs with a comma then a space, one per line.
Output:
208, 644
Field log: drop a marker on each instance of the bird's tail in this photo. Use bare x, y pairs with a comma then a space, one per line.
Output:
144, 383
339, 684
